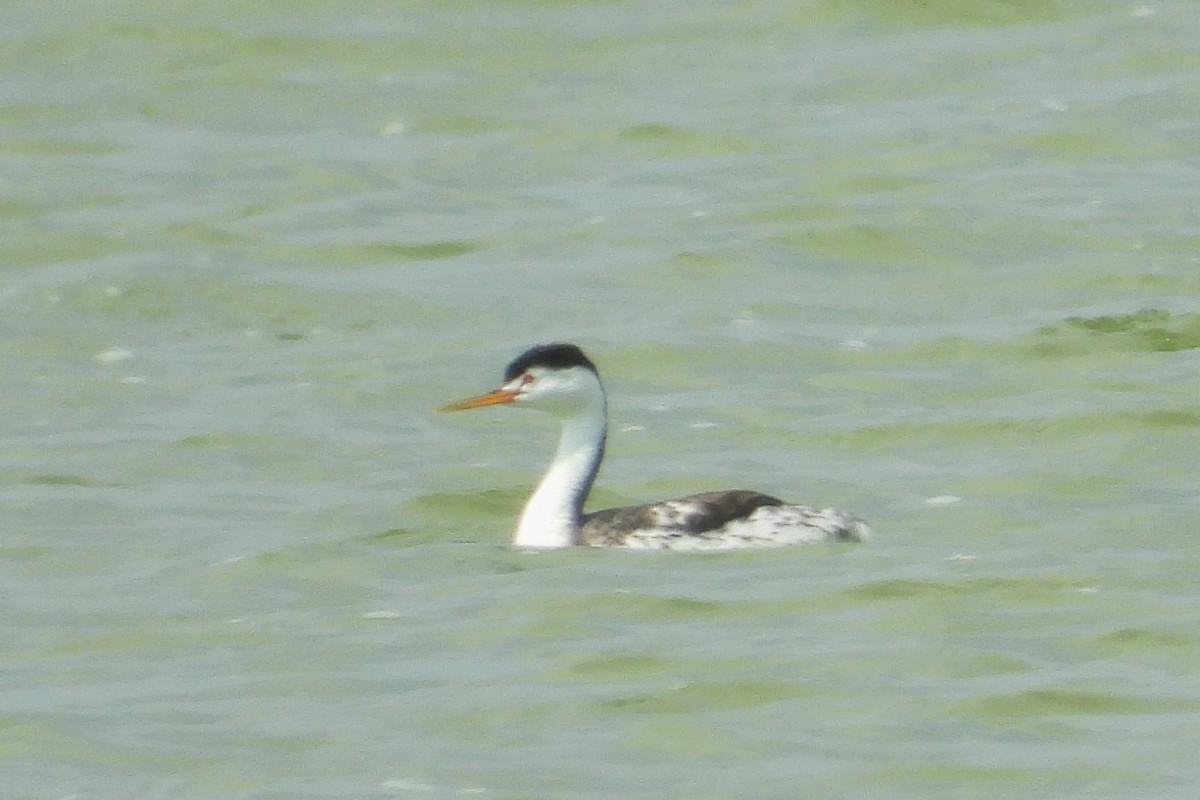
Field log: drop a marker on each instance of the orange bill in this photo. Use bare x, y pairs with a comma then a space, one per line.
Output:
490, 399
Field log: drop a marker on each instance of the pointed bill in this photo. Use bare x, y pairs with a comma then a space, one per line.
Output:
490, 399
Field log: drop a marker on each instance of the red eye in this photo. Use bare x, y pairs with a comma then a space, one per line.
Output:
526, 379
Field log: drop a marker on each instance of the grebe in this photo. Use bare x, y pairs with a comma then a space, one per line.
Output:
560, 379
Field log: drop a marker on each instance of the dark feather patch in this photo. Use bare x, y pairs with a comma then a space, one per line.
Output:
559, 355
707, 512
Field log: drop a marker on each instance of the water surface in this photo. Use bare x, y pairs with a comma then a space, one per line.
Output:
934, 263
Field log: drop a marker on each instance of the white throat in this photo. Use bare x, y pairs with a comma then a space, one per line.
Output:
552, 516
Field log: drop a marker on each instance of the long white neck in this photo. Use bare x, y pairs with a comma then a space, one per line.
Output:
552, 515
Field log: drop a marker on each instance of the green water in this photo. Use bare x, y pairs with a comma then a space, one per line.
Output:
932, 262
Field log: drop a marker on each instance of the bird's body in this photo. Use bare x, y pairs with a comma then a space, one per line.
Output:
560, 379
734, 519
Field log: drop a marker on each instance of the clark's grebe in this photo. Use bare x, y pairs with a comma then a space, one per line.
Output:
560, 379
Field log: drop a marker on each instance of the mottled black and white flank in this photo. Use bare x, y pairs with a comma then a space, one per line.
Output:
561, 380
